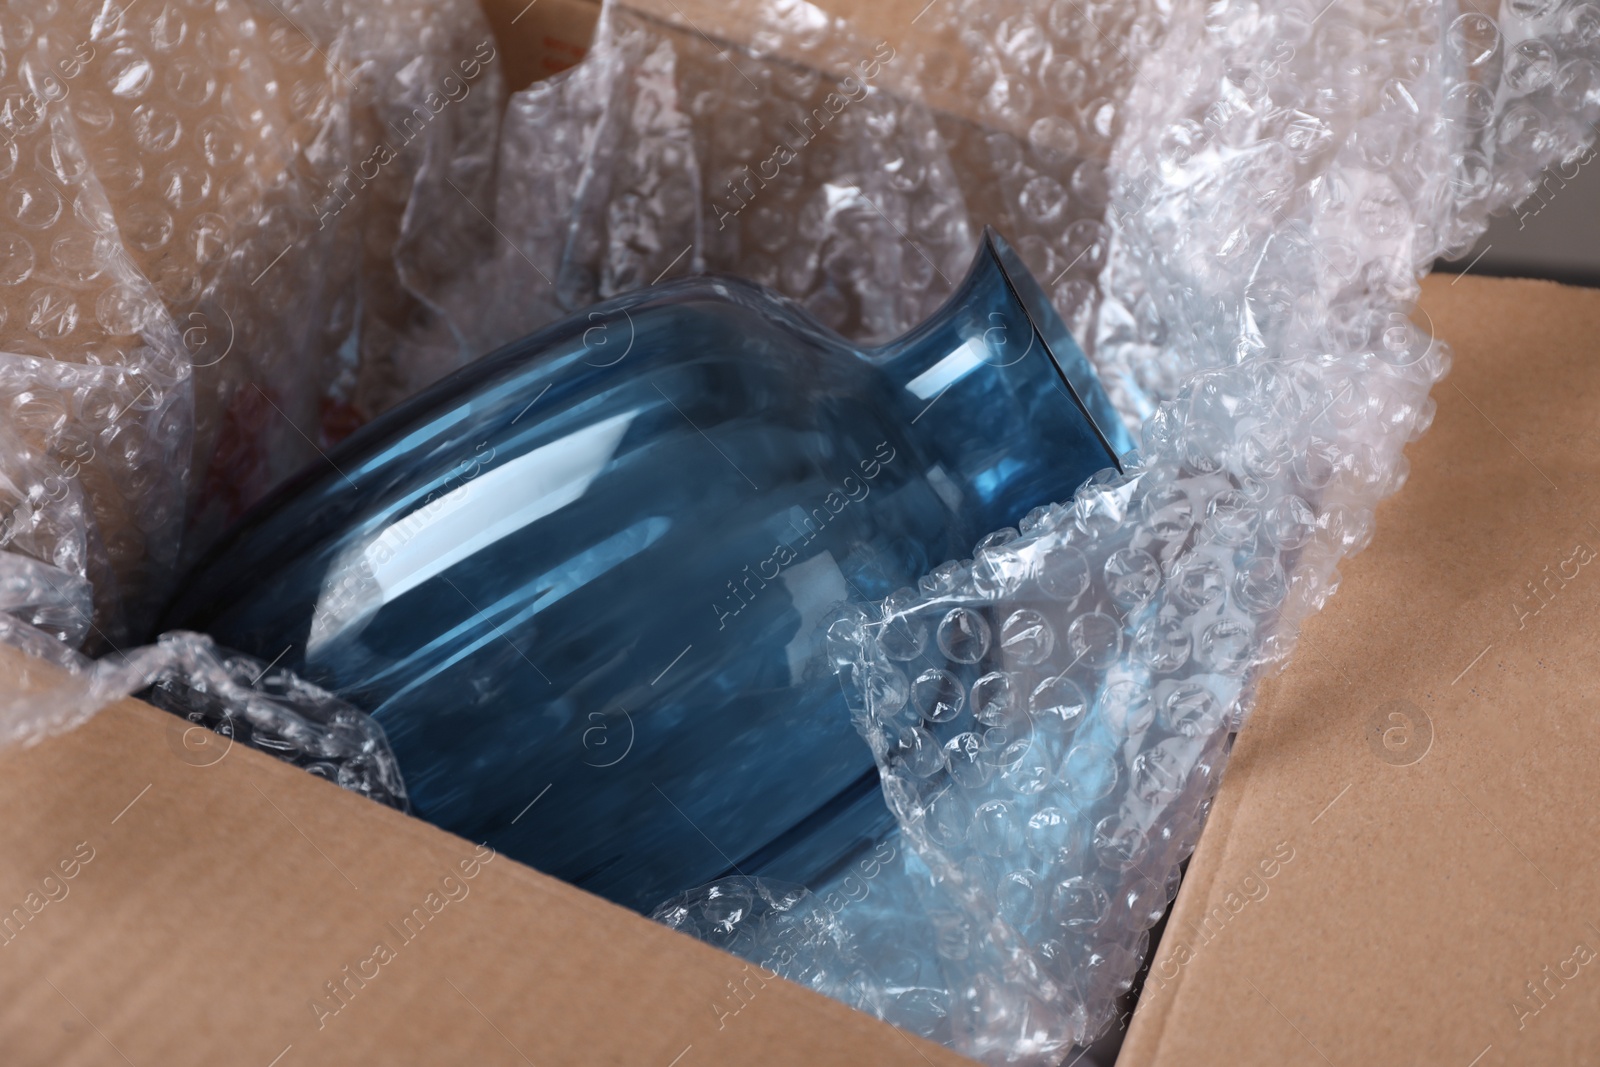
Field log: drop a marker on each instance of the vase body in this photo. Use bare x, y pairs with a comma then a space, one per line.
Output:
584, 583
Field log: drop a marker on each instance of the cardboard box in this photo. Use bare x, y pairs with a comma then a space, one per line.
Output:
1403, 863
1400, 848
1388, 887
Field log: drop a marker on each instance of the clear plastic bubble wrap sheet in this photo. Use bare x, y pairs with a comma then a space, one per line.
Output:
1051, 716
846, 164
222, 698
665, 154
220, 223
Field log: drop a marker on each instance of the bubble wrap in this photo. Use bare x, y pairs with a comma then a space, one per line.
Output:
199, 247
226, 697
837, 164
1052, 715
230, 698
817, 172
220, 224
750, 916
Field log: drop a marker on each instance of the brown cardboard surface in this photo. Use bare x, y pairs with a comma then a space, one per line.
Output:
160, 910
1429, 760
539, 38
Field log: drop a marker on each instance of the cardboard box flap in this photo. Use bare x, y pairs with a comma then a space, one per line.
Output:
163, 903
1403, 863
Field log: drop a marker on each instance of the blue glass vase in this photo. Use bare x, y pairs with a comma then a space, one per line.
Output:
584, 582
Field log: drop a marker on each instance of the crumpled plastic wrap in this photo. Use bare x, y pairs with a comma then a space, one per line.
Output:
226, 697
220, 222
849, 167
665, 154
747, 916
1052, 715
241, 700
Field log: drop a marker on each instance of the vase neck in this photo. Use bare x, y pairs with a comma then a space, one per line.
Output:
998, 392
